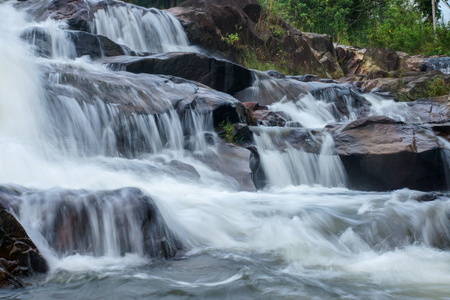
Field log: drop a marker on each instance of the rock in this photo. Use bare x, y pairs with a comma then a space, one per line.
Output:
267, 90
40, 39
408, 86
233, 161
223, 107
74, 222
84, 44
432, 110
208, 22
19, 256
251, 8
218, 74
258, 174
345, 100
269, 118
323, 49
96, 45
77, 13
130, 104
381, 154
414, 63
244, 135
297, 138
366, 60
254, 106
275, 74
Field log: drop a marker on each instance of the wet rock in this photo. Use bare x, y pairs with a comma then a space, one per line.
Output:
254, 106
244, 135
268, 90
233, 161
269, 118
101, 222
223, 107
96, 45
218, 74
275, 74
381, 154
345, 100
258, 174
297, 138
40, 39
432, 110
182, 169
307, 78
19, 256
77, 13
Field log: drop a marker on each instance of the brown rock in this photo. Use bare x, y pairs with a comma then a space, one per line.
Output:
381, 154
19, 256
324, 51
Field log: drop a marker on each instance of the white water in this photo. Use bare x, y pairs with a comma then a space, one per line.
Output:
287, 241
150, 30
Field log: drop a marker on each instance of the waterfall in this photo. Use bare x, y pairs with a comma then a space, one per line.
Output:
291, 166
152, 30
114, 177
440, 63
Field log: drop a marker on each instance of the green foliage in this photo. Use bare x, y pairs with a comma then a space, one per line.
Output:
231, 38
398, 30
257, 59
437, 87
396, 24
229, 131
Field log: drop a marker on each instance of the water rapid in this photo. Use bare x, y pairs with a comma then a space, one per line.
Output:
110, 174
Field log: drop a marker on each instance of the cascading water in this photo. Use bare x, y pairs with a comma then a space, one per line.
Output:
440, 63
151, 30
91, 156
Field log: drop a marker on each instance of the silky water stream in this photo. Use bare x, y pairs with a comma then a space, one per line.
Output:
304, 236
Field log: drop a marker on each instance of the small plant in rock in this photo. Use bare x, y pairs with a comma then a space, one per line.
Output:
229, 132
231, 38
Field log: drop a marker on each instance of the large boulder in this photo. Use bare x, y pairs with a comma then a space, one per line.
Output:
19, 256
218, 74
381, 154
367, 61
211, 23
323, 49
90, 222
